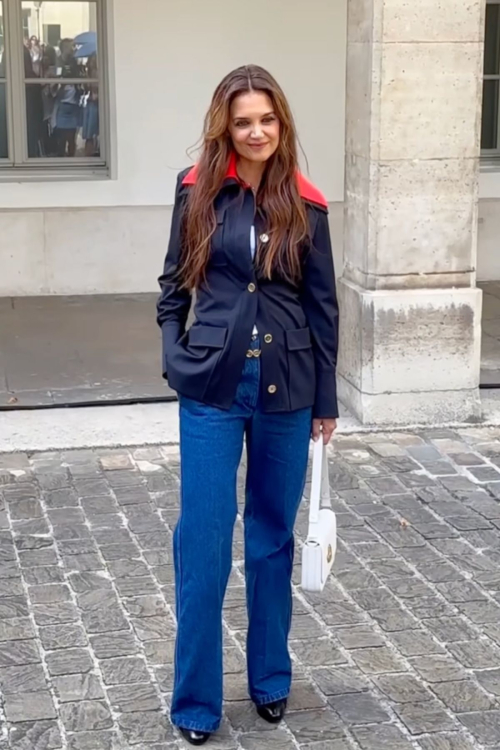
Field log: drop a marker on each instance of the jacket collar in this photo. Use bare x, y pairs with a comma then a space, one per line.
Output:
307, 190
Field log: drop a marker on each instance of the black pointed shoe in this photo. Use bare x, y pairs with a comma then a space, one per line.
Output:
194, 737
273, 712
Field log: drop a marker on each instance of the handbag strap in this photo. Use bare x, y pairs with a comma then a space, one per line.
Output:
320, 482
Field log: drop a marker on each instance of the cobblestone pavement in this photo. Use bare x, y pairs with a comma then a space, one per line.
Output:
401, 651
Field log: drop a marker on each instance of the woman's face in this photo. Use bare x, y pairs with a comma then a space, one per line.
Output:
254, 126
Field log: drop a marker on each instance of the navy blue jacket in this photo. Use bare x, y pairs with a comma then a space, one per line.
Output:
298, 325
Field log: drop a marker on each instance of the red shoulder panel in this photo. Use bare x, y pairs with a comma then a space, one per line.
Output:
310, 193
306, 189
190, 178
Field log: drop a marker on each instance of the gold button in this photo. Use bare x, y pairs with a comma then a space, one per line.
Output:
251, 287
268, 338
272, 389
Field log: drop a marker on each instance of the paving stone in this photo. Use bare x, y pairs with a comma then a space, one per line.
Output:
69, 532
146, 606
403, 688
16, 629
18, 653
476, 654
77, 687
341, 613
136, 586
483, 725
104, 740
377, 660
13, 606
382, 737
24, 679
303, 627
89, 581
162, 652
437, 668
54, 613
359, 636
318, 652
340, 680
360, 708
480, 612
145, 726
43, 575
460, 591
453, 741
105, 620
430, 606
423, 717
21, 707
490, 680
85, 716
392, 620
85, 562
150, 628
69, 661
35, 735
66, 635
315, 725
60, 498
450, 629
463, 696
409, 588
55, 592
109, 645
34, 558
387, 569
124, 670
136, 697
415, 643
255, 741
124, 551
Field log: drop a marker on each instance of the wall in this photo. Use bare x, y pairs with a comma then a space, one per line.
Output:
110, 235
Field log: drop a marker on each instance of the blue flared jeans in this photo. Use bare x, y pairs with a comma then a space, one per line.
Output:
211, 448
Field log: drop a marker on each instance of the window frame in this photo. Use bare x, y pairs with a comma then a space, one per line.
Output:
19, 165
492, 154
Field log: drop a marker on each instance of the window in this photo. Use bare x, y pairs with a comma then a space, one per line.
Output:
490, 133
52, 88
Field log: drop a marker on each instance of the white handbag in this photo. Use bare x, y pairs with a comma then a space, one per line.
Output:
319, 549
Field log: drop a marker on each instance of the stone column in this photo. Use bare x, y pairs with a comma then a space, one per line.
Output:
411, 314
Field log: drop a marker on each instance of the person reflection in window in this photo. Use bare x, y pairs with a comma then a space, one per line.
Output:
66, 117
3, 110
49, 70
90, 131
34, 107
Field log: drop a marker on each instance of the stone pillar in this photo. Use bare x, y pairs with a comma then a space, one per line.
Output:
411, 314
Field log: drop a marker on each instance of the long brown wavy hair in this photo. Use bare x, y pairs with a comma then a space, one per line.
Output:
278, 197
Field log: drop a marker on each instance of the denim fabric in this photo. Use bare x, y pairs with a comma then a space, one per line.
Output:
211, 448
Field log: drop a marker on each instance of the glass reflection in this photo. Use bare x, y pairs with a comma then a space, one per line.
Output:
492, 40
60, 37
60, 43
491, 108
3, 98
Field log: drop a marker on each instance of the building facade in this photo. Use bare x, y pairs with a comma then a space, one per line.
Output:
415, 211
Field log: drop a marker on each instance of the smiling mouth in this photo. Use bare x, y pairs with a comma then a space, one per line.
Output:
257, 146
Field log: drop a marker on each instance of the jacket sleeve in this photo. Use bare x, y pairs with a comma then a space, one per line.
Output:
322, 312
174, 302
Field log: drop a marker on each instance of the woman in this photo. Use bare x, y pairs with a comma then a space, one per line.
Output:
250, 236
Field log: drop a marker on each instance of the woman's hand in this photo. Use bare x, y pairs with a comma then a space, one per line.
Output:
325, 427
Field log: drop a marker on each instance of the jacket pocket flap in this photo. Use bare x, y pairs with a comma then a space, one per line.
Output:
300, 338
210, 336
